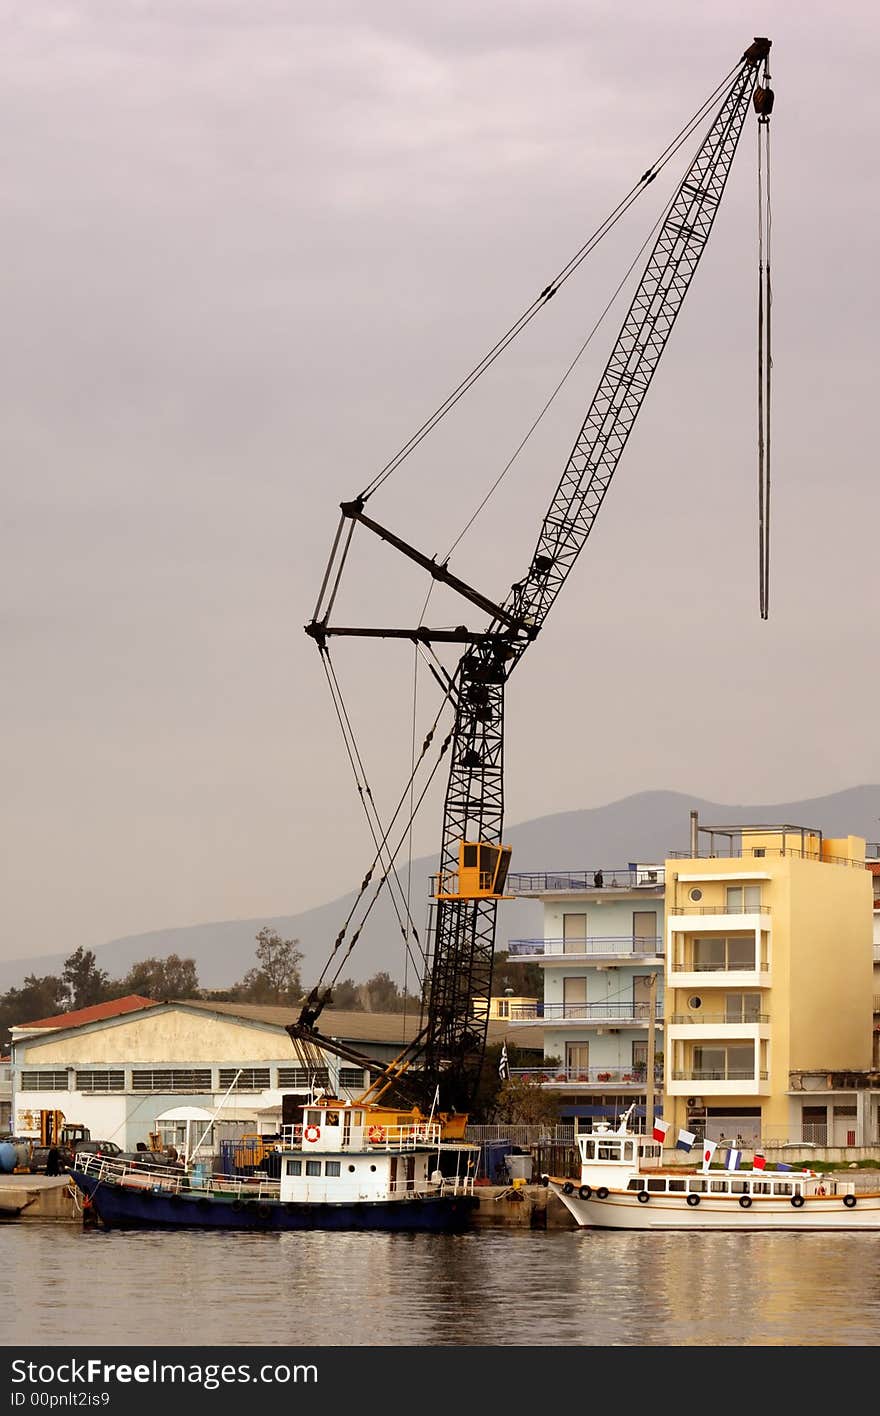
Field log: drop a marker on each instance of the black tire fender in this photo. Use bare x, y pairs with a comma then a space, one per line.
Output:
849, 1201
745, 1201
545, 1180
797, 1201
568, 1188
585, 1191
602, 1193
693, 1200
643, 1197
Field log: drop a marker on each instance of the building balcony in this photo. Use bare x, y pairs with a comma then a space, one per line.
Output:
596, 946
647, 878
715, 1082
602, 1078
587, 1014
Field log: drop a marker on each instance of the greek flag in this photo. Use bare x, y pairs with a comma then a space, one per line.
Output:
503, 1064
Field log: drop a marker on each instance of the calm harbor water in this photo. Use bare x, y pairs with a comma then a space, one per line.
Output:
60, 1285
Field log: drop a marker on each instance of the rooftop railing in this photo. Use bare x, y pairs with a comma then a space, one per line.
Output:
760, 852
633, 877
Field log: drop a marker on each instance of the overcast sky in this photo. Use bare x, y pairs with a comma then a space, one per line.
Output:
247, 248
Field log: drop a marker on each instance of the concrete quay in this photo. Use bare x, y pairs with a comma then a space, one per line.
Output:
50, 1197
38, 1197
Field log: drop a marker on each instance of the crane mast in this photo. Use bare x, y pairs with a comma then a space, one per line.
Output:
473, 861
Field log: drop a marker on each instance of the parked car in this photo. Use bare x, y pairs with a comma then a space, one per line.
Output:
108, 1150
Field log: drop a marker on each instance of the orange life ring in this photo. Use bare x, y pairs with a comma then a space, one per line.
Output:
312, 1133
376, 1135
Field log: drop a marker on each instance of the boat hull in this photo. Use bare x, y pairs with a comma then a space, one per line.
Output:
121, 1207
622, 1210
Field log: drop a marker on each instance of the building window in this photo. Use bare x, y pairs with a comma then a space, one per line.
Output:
645, 929
300, 1078
313, 1167
333, 1167
696, 895
44, 1081
351, 1077
103, 1082
574, 997
725, 1062
172, 1079
574, 933
294, 1167
720, 953
742, 1007
743, 899
249, 1079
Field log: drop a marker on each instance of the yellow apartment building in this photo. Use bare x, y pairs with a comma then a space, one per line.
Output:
769, 984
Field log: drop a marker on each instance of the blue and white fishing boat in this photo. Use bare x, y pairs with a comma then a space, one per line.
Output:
347, 1166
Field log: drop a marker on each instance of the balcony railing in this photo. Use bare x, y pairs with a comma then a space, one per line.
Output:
715, 1074
731, 966
605, 944
604, 1077
719, 909
543, 882
638, 1013
700, 1020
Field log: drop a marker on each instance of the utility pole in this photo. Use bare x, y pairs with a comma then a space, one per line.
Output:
649, 1099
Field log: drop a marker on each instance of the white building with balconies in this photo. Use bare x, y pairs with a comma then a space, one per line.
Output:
602, 955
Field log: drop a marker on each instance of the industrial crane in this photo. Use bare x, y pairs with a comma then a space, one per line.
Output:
444, 1059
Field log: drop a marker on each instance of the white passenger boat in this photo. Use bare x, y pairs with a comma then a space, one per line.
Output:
624, 1185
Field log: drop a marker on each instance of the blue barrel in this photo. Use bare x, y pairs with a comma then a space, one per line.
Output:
12, 1153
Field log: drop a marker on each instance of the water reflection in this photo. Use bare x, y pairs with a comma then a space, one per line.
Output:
60, 1285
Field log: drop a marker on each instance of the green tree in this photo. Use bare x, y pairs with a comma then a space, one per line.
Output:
521, 1101
490, 1087
523, 975
347, 995
277, 977
38, 997
172, 977
86, 983
380, 994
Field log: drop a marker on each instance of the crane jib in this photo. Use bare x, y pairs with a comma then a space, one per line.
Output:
461, 939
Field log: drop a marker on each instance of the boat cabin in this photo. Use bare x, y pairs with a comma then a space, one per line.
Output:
344, 1152
609, 1157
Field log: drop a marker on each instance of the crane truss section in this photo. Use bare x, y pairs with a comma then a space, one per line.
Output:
634, 359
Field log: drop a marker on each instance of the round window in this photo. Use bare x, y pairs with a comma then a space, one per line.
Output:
695, 1002
696, 894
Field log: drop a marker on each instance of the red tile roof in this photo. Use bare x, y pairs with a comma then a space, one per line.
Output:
130, 1004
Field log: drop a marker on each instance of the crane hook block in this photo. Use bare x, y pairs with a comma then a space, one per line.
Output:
762, 98
482, 871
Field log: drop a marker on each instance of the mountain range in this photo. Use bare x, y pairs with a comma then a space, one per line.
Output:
644, 827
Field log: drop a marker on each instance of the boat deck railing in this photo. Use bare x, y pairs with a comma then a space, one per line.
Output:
410, 1137
141, 1176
